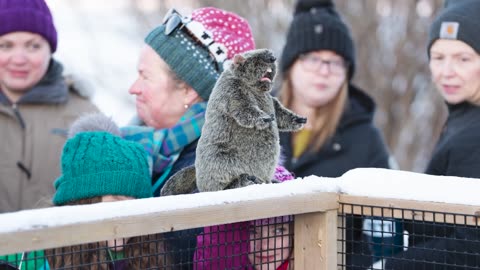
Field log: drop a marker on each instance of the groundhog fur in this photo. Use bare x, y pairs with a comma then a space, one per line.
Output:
239, 145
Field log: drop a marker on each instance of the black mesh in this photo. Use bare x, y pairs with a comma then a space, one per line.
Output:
394, 238
244, 245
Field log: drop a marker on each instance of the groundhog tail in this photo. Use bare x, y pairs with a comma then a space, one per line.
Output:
182, 182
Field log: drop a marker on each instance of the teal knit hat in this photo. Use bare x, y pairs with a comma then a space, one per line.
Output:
195, 47
98, 163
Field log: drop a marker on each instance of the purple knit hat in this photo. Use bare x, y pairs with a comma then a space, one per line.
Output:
29, 16
282, 175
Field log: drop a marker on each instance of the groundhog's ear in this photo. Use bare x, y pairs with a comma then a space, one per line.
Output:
238, 59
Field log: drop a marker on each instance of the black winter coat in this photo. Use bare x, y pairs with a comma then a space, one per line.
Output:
182, 243
460, 250
458, 151
457, 154
357, 143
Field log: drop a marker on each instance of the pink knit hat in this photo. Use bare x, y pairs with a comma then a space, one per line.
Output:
282, 174
227, 28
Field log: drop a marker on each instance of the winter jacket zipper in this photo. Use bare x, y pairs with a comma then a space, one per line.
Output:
20, 164
18, 115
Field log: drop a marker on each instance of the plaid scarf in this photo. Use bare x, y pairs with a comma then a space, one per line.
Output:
165, 145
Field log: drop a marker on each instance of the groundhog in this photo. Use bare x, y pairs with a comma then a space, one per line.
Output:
239, 145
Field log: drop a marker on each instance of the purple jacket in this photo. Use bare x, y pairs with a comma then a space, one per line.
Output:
226, 246
223, 247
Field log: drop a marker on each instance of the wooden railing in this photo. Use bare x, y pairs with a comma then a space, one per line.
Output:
314, 201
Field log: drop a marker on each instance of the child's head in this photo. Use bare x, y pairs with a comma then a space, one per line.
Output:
271, 239
96, 162
100, 166
271, 242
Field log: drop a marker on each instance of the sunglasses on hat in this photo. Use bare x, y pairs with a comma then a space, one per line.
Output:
174, 20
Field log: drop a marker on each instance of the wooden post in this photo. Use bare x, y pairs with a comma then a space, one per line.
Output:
316, 240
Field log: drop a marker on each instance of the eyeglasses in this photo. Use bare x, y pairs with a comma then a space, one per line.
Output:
314, 63
174, 20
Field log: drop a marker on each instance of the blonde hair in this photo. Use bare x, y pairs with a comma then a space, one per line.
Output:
326, 117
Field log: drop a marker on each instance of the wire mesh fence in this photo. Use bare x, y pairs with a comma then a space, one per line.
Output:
366, 237
375, 237
142, 252
259, 244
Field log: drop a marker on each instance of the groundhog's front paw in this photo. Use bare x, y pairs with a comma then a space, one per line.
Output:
255, 179
268, 119
264, 122
297, 123
247, 180
300, 120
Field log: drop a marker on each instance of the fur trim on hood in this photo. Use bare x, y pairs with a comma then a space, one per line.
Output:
81, 86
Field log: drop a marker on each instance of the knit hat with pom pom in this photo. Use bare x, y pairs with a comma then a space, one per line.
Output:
96, 161
317, 26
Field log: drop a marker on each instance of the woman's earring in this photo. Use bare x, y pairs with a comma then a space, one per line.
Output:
185, 106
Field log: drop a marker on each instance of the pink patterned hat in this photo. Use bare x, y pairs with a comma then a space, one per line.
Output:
227, 28
196, 46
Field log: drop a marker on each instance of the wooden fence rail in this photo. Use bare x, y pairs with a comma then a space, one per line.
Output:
315, 202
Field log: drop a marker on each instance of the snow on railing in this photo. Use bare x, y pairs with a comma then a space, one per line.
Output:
67, 225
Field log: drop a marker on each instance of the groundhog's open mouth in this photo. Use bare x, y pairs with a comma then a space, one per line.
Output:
268, 76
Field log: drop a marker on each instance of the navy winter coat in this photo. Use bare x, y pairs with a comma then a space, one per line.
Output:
182, 243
